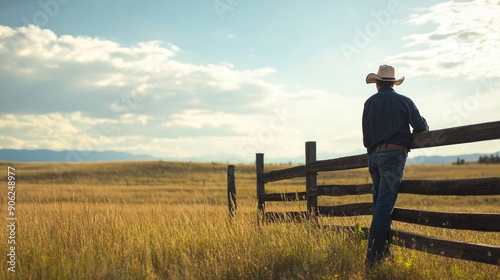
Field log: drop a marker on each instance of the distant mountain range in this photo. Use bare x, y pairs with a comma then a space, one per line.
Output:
93, 156
445, 159
67, 156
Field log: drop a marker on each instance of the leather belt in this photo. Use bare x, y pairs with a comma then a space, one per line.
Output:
391, 146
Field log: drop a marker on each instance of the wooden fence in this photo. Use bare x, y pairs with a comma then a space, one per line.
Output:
467, 187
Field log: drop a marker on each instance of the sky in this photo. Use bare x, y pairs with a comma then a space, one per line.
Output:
222, 80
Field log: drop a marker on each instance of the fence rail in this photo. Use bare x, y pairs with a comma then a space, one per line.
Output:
464, 187
487, 222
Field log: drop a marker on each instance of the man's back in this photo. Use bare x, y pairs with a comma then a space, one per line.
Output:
386, 119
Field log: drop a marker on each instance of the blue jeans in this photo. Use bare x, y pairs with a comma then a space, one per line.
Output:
386, 169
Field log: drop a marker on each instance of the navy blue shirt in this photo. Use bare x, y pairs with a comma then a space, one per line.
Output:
387, 117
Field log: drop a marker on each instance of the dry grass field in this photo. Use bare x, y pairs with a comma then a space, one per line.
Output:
169, 220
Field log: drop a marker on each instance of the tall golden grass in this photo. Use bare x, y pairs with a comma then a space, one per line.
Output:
164, 220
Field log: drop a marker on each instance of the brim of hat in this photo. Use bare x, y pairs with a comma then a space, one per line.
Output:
373, 78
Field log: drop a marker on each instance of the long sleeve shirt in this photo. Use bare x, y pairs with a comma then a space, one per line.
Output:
387, 117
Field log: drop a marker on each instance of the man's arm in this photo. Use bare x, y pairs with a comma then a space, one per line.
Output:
418, 122
366, 140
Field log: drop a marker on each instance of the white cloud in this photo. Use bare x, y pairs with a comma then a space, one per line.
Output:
33, 125
464, 42
78, 92
15, 143
202, 118
39, 65
131, 118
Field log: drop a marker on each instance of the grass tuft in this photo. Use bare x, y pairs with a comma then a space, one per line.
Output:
98, 228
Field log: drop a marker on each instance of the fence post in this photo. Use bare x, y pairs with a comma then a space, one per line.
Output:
259, 168
231, 191
311, 179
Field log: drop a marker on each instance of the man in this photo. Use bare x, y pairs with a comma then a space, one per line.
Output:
387, 117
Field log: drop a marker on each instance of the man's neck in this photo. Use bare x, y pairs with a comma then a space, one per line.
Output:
379, 87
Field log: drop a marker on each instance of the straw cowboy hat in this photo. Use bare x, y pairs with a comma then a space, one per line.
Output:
385, 73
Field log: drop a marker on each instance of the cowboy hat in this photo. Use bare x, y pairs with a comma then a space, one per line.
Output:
385, 73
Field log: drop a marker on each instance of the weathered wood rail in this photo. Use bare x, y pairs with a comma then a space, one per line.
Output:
466, 187
231, 190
